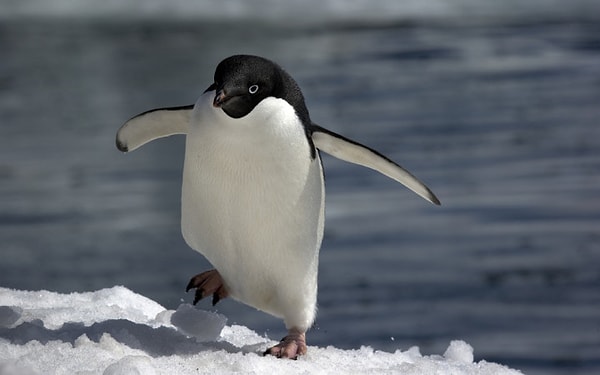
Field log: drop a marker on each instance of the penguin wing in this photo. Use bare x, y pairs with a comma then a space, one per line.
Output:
353, 152
153, 124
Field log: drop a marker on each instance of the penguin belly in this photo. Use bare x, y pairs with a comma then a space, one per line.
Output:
253, 205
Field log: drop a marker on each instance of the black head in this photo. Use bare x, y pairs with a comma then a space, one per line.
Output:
243, 81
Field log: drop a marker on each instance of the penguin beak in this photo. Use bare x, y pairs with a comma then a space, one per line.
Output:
220, 98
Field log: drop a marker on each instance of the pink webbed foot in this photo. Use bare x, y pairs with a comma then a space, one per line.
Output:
207, 283
291, 346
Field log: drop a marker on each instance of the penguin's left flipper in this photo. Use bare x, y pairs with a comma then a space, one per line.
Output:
353, 152
153, 124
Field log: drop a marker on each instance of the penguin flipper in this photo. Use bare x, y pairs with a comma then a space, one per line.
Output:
353, 152
153, 124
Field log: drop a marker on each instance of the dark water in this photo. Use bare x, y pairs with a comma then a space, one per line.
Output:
500, 120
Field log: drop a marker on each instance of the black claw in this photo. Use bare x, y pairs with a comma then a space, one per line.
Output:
192, 284
198, 296
219, 295
215, 299
189, 286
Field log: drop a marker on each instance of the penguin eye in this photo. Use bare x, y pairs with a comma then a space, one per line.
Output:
253, 89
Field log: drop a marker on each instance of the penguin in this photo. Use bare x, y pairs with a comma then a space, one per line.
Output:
253, 193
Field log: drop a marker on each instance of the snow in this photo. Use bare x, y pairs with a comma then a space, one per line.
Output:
116, 331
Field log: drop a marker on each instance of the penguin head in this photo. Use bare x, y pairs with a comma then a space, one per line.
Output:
241, 82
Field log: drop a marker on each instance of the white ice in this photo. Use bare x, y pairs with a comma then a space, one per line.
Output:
116, 331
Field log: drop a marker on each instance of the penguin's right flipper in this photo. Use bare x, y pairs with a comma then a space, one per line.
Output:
153, 124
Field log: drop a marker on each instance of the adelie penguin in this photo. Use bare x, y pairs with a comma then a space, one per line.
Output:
253, 190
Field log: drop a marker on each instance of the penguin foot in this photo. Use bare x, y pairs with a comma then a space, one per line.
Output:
207, 283
291, 346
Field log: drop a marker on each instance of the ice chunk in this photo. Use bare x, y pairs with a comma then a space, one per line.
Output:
459, 351
203, 325
9, 315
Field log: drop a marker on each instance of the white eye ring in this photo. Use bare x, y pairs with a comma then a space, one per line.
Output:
253, 89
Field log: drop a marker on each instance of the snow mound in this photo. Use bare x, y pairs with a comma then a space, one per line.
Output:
116, 331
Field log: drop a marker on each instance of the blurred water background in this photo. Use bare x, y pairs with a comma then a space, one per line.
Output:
495, 105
